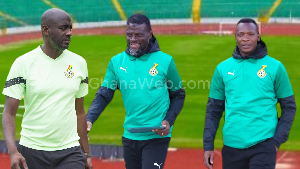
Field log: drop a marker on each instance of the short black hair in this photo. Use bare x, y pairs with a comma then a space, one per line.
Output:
248, 20
139, 19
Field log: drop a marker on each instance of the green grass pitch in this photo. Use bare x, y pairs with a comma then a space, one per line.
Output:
196, 58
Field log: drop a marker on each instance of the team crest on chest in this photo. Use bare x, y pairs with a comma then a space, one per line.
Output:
153, 71
69, 73
262, 73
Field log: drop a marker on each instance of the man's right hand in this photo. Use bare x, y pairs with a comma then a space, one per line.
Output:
89, 127
208, 155
16, 159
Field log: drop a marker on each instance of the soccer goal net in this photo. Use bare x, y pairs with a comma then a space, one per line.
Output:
229, 28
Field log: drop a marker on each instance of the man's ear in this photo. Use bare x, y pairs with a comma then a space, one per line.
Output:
258, 37
150, 33
46, 30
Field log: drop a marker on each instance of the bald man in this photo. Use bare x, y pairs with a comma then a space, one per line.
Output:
53, 81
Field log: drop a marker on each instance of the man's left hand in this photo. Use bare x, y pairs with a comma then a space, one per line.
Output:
165, 131
89, 164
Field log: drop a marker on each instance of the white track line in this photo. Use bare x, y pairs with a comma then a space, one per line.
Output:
282, 156
283, 165
113, 160
172, 149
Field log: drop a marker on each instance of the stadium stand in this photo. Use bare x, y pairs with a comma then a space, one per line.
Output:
29, 13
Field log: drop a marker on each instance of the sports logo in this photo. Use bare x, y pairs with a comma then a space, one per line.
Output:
69, 72
231, 73
153, 71
125, 69
158, 165
262, 73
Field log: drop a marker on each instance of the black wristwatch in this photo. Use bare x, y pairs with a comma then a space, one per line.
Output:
88, 154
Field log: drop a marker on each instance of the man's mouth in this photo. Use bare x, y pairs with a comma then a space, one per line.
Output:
135, 46
246, 46
67, 40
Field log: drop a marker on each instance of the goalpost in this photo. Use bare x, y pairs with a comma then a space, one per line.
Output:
228, 28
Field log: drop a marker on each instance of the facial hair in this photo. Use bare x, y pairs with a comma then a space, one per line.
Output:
135, 53
58, 42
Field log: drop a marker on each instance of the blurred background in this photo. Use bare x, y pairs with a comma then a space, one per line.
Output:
199, 34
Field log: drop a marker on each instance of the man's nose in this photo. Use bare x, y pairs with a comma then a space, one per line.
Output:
245, 38
69, 32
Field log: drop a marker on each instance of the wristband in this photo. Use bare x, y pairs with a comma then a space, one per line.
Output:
88, 154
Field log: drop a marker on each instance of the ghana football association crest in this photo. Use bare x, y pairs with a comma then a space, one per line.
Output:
69, 73
262, 73
153, 71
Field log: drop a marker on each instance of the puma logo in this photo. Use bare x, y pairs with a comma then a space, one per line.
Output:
158, 165
124, 69
231, 73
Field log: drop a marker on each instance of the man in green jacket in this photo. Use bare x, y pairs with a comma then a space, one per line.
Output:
152, 95
248, 86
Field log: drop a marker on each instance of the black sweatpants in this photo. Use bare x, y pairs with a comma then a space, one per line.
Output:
71, 158
145, 154
260, 156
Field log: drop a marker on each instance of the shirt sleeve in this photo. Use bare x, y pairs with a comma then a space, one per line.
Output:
173, 79
110, 80
16, 82
102, 99
283, 87
288, 111
214, 112
83, 88
217, 86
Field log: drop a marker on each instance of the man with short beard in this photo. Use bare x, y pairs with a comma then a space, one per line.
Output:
53, 81
152, 95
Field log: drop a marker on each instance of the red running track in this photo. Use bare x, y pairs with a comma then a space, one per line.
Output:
191, 29
184, 159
